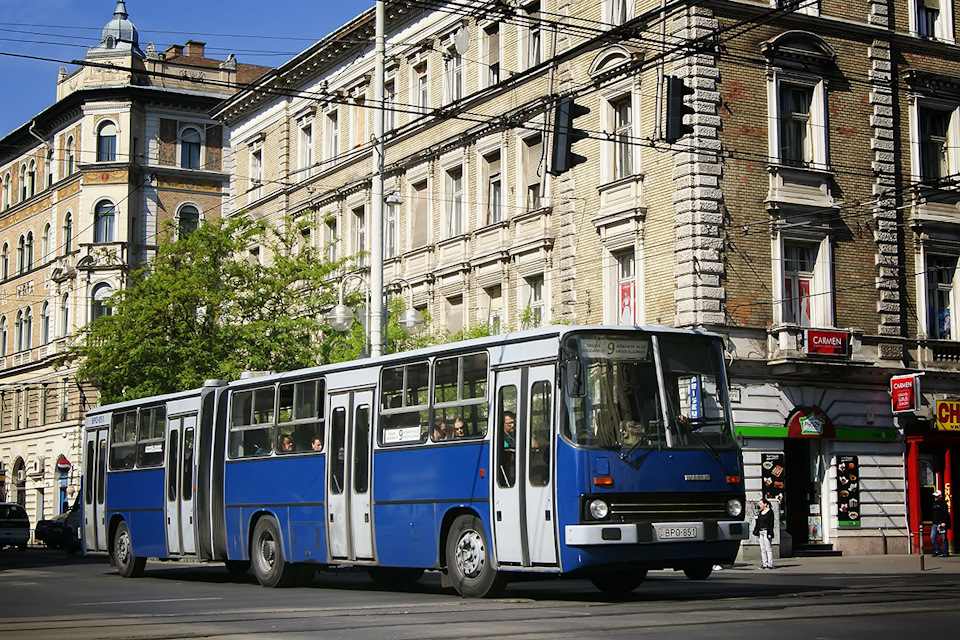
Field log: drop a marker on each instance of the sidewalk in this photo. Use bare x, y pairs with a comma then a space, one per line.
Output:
889, 564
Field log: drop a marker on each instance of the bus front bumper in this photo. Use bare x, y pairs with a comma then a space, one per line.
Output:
579, 535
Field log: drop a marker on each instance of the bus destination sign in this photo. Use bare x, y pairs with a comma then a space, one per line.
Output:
600, 349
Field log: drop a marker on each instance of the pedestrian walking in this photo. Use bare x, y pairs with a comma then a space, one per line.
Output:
763, 529
940, 515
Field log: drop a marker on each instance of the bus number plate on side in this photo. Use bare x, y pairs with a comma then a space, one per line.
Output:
677, 533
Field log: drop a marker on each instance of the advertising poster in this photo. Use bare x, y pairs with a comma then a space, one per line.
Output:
774, 474
848, 491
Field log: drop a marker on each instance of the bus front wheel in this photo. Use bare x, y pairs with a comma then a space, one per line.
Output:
267, 556
469, 563
128, 565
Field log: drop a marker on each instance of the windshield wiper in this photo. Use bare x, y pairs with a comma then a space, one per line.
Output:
703, 441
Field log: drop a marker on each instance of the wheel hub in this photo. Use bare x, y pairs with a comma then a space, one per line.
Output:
470, 554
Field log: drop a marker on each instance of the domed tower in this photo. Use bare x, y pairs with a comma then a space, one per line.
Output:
119, 36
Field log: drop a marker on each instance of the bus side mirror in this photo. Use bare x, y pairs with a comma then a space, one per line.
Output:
573, 374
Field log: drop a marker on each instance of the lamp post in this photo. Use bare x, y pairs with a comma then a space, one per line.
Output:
341, 317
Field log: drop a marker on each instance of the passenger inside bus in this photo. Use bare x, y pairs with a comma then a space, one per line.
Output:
508, 467
286, 443
459, 428
317, 443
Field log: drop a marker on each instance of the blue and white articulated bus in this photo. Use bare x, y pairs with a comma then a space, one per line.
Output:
596, 452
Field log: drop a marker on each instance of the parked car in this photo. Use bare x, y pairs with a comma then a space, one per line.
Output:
61, 531
14, 526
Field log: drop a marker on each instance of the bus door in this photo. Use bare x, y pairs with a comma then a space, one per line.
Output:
349, 519
181, 452
94, 489
524, 520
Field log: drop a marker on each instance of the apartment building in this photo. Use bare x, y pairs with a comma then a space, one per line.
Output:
808, 209
85, 188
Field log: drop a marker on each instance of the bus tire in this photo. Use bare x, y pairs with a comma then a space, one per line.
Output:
237, 567
128, 565
267, 556
618, 584
698, 571
469, 564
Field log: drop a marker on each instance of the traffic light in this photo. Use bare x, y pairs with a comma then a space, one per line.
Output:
676, 109
565, 135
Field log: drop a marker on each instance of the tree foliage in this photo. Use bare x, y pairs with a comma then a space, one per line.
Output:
202, 309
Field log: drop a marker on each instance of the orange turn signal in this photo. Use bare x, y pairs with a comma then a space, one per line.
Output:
603, 481
733, 479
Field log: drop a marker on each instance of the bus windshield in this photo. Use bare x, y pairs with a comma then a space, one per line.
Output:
614, 397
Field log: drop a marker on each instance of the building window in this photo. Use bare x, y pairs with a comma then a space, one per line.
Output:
5, 259
3, 336
453, 314
332, 253
933, 19
626, 288
420, 220
390, 231
422, 87
534, 301
801, 124
64, 315
358, 121
45, 243
188, 220
616, 12
491, 53
6, 191
454, 202
67, 233
24, 329
360, 235
491, 164
942, 297
71, 156
256, 174
63, 398
389, 106
103, 221
492, 308
452, 76
49, 166
107, 142
32, 179
25, 253
190, 144
532, 156
934, 145
99, 303
333, 136
806, 298
531, 37
45, 321
622, 112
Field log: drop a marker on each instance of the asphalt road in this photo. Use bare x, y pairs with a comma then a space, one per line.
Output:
46, 594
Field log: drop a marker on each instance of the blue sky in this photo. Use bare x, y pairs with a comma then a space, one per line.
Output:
258, 32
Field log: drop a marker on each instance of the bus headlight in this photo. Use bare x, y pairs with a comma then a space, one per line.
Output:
734, 507
599, 509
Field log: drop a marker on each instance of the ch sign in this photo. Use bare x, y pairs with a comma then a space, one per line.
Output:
905, 393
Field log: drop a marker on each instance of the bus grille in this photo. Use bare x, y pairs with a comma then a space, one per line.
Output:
668, 507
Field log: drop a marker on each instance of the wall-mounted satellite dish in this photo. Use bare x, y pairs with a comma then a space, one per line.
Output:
462, 40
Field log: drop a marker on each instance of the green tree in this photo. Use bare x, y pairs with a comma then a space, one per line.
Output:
202, 309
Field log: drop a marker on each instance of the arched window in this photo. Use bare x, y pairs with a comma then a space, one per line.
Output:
24, 329
188, 220
67, 233
190, 148
45, 243
32, 179
103, 221
29, 250
3, 336
71, 157
23, 182
107, 142
64, 315
5, 261
49, 164
6, 191
45, 321
21, 255
98, 301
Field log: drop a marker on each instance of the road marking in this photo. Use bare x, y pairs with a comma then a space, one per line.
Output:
93, 604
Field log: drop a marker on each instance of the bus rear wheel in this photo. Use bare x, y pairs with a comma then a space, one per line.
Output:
618, 584
267, 556
469, 564
128, 565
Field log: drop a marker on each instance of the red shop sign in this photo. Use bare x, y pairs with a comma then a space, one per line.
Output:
826, 343
904, 393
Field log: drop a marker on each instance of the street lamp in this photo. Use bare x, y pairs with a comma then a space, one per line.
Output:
341, 317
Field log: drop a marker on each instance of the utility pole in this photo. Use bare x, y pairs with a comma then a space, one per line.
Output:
376, 228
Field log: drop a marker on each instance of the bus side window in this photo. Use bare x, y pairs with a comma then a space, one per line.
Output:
506, 436
539, 463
